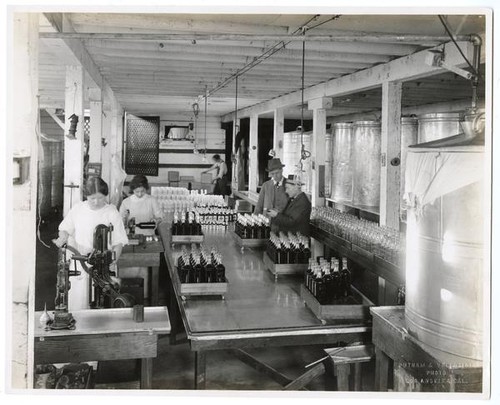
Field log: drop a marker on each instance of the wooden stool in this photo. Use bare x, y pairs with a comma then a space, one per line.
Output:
343, 357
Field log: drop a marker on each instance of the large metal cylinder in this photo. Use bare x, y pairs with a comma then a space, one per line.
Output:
45, 180
409, 136
342, 162
292, 146
366, 155
57, 186
328, 164
438, 126
444, 268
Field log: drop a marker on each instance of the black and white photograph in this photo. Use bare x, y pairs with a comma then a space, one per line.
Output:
279, 202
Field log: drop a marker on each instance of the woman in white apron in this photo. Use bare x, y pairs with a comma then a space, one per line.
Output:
77, 230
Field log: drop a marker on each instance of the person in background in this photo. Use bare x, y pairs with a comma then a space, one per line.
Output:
143, 208
297, 213
140, 205
77, 230
272, 194
220, 180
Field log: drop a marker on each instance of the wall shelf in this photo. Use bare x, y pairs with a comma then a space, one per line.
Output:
371, 209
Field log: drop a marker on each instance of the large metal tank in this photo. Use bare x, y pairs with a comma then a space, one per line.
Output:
292, 146
409, 136
57, 186
444, 257
328, 164
45, 180
435, 126
366, 170
342, 162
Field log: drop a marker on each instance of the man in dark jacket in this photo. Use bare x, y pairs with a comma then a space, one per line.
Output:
273, 194
296, 215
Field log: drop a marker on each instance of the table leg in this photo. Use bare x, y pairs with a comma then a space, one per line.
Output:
146, 373
381, 370
357, 376
155, 279
200, 370
342, 372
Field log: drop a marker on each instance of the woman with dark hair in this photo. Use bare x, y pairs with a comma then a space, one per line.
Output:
140, 205
77, 229
221, 176
143, 208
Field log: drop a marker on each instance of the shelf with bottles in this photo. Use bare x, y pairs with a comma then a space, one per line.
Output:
251, 230
287, 253
199, 272
171, 199
375, 210
328, 292
376, 248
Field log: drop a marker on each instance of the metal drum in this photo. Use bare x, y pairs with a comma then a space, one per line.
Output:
444, 269
57, 186
328, 164
292, 145
409, 136
438, 126
45, 180
342, 162
366, 169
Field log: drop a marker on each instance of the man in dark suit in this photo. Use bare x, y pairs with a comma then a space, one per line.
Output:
272, 194
296, 215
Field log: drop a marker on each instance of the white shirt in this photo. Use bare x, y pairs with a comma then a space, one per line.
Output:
81, 222
143, 209
279, 183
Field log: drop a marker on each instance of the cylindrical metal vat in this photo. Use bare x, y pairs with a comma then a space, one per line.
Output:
409, 136
444, 266
45, 179
342, 162
438, 126
292, 146
366, 155
328, 164
57, 186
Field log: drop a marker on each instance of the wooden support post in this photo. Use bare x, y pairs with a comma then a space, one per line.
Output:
279, 128
319, 107
95, 125
22, 110
147, 373
235, 183
357, 376
381, 370
391, 151
73, 148
106, 135
253, 171
200, 370
261, 367
342, 372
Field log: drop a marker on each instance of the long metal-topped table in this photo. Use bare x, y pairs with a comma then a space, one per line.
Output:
256, 311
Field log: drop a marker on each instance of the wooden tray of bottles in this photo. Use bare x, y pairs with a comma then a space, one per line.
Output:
355, 307
198, 289
278, 269
249, 243
188, 238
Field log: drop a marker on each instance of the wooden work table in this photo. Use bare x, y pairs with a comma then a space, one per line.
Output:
147, 254
256, 311
104, 334
418, 367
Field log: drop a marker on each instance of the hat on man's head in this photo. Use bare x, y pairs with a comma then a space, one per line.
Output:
274, 164
294, 179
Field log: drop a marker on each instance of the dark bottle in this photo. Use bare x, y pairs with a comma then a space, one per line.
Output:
328, 279
314, 278
198, 271
306, 251
320, 289
220, 270
210, 271
345, 277
283, 257
182, 225
307, 274
188, 271
336, 283
277, 251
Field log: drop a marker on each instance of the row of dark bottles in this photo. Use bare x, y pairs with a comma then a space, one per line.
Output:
201, 266
252, 226
288, 248
326, 281
216, 215
186, 223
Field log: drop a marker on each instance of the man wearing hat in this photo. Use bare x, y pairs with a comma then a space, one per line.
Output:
272, 194
297, 213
